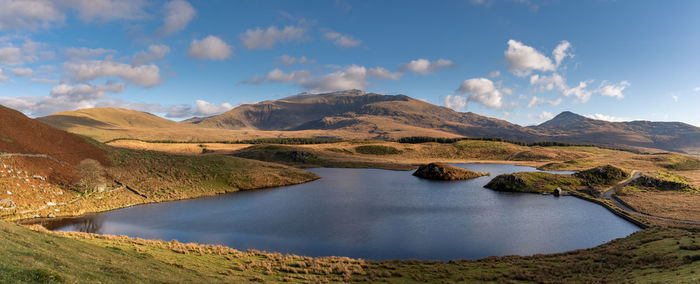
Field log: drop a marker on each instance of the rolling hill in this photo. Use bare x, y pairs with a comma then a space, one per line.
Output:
356, 114
22, 135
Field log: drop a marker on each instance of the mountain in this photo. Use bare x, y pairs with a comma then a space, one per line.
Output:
359, 111
106, 117
571, 127
20, 134
356, 114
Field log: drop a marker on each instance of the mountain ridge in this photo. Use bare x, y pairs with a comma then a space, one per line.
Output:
377, 116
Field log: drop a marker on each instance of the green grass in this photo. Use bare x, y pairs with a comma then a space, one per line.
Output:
7, 140
164, 176
601, 176
533, 182
377, 150
652, 255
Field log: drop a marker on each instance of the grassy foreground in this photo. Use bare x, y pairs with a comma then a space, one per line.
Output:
652, 255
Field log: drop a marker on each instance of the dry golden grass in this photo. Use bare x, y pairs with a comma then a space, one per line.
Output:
179, 148
669, 204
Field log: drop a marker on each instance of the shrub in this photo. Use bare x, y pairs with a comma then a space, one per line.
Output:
90, 175
377, 150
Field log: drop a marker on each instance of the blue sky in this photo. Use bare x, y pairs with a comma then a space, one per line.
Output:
523, 61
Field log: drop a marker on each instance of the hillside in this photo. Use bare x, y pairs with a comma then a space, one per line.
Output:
358, 115
571, 127
20, 135
377, 115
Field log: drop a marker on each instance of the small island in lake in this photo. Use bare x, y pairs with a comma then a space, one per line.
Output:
438, 171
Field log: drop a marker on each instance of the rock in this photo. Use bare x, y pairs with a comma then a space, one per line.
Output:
437, 171
7, 204
50, 215
39, 177
9, 192
50, 204
558, 192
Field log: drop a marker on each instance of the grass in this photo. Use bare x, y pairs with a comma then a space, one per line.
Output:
652, 255
533, 182
377, 150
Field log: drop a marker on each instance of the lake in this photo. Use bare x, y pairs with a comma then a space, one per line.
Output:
373, 214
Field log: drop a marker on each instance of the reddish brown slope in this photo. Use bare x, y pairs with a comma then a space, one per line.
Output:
20, 134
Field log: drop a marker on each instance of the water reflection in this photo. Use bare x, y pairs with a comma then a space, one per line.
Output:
373, 214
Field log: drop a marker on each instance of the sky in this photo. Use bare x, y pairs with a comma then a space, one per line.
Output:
520, 60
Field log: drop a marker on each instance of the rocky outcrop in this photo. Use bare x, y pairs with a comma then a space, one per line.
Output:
660, 184
437, 171
603, 175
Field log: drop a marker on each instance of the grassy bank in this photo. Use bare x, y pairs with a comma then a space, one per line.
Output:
650, 255
156, 175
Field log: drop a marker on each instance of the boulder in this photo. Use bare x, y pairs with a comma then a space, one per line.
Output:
437, 171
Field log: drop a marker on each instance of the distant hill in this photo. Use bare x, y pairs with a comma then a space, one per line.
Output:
106, 117
356, 114
571, 127
358, 111
22, 135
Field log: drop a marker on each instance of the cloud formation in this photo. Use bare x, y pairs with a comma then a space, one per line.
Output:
154, 52
29, 14
108, 10
86, 53
600, 116
613, 90
425, 66
341, 40
22, 72
178, 13
537, 101
211, 48
483, 91
524, 59
456, 102
264, 39
290, 60
141, 75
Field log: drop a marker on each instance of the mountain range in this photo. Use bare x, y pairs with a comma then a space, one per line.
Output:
375, 116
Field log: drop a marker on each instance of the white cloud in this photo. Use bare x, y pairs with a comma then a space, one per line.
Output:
548, 83
675, 98
10, 55
3, 76
86, 53
524, 59
483, 91
382, 73
696, 89
456, 102
494, 74
178, 13
613, 90
44, 80
606, 117
154, 52
262, 39
22, 72
203, 108
536, 101
279, 76
290, 60
63, 97
108, 10
580, 92
352, 77
142, 75
560, 52
341, 40
29, 14
211, 47
425, 66
545, 115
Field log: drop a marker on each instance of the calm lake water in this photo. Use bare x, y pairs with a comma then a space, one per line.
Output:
373, 214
